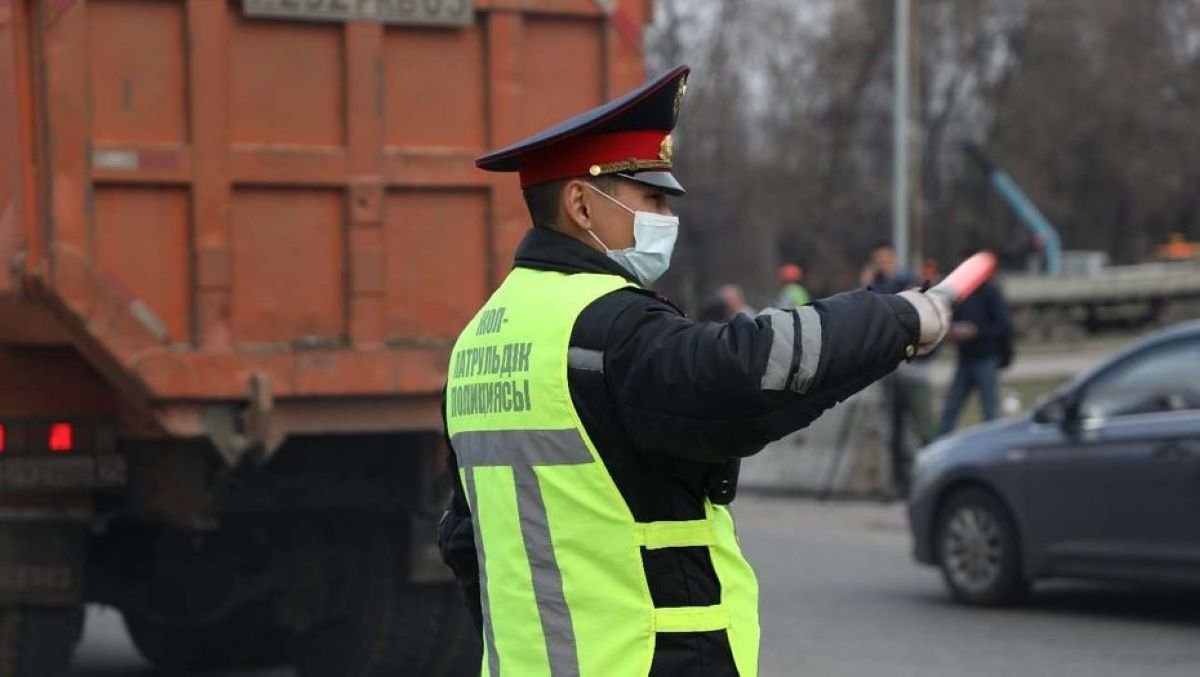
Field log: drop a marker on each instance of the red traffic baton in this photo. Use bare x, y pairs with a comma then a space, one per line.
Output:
968, 276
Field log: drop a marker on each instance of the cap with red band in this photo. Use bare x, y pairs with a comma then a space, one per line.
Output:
628, 137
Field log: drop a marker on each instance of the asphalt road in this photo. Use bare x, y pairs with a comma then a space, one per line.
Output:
841, 597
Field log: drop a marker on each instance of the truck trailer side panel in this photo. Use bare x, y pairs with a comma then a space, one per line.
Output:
229, 195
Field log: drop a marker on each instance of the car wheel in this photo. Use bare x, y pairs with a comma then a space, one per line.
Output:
978, 550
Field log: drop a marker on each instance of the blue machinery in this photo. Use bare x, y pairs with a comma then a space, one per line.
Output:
1022, 206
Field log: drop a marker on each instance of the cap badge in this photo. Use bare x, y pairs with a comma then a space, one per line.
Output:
666, 149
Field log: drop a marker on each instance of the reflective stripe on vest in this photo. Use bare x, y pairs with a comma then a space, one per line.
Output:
563, 589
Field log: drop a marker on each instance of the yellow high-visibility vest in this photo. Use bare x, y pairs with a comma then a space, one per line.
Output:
562, 584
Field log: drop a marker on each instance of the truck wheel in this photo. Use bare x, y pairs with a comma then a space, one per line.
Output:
243, 640
391, 627
38, 641
979, 550
423, 630
458, 650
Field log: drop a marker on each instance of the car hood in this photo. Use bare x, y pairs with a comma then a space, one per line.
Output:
1001, 431
977, 445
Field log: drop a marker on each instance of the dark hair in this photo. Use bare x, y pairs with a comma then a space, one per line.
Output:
543, 200
883, 244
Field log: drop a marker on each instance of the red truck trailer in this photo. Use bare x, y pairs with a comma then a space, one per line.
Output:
238, 238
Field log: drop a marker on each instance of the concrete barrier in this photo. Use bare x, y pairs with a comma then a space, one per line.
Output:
842, 454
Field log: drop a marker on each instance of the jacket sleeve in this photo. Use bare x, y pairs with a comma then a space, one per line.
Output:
456, 539
714, 391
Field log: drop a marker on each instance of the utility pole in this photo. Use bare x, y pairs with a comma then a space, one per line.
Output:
900, 141
916, 136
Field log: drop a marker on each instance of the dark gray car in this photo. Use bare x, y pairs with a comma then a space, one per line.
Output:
1101, 480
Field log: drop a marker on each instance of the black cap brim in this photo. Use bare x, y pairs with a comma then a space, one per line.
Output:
653, 106
664, 180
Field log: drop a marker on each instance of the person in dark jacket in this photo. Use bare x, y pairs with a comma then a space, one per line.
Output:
669, 404
884, 272
981, 330
903, 390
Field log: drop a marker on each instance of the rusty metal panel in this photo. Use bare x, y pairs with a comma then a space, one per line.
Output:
292, 198
136, 72
547, 7
429, 12
569, 82
364, 94
208, 99
286, 83
424, 107
38, 326
34, 381
510, 219
19, 209
141, 240
436, 262
11, 155
625, 37
64, 38
287, 250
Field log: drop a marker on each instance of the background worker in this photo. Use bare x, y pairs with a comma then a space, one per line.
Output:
983, 337
792, 293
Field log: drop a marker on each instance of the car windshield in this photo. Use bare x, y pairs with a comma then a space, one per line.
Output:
1166, 378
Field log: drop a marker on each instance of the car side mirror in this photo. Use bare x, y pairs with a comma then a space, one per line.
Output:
1060, 409
1050, 410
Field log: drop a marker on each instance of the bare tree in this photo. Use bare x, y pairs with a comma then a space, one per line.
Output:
1090, 104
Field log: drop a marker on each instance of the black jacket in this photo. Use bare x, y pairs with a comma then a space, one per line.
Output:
677, 400
987, 310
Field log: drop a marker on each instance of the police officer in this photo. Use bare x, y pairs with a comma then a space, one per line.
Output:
596, 430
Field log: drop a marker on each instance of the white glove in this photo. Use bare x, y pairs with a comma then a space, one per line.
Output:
934, 310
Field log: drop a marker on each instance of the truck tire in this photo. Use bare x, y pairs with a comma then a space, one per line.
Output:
457, 650
38, 641
391, 627
243, 640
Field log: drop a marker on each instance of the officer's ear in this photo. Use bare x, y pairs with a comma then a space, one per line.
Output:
575, 206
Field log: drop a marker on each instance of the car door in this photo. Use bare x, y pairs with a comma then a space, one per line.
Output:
1117, 492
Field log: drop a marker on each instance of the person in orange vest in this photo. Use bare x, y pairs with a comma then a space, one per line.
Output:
1177, 248
792, 293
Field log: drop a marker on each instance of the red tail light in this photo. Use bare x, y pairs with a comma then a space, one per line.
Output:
61, 437
2, 440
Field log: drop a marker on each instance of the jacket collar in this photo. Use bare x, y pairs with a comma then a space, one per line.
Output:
544, 249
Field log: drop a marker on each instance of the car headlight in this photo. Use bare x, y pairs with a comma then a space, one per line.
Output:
932, 454
928, 461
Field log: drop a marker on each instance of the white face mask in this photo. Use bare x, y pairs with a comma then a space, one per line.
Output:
653, 241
